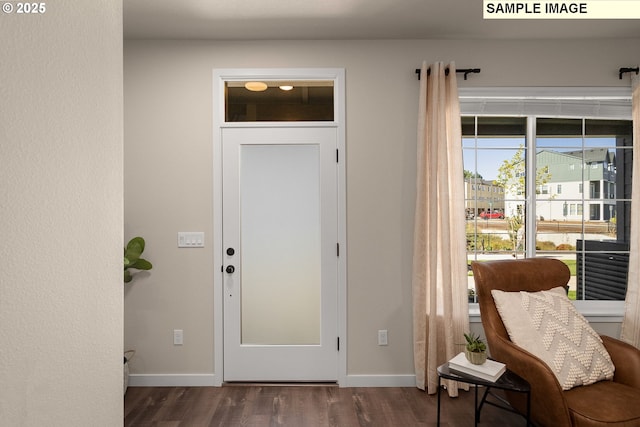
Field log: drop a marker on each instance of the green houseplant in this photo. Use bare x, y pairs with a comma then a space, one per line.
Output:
132, 258
475, 349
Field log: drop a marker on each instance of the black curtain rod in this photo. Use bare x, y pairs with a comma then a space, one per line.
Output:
466, 71
623, 70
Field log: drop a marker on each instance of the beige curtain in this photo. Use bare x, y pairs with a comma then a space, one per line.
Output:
440, 305
631, 321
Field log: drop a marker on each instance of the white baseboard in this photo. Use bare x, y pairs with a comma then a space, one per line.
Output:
210, 380
172, 380
380, 381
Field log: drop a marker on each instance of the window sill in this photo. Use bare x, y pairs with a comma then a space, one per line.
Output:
594, 311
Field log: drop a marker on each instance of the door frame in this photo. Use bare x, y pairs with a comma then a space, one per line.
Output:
220, 76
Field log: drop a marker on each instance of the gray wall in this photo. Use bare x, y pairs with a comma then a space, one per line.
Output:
168, 174
61, 204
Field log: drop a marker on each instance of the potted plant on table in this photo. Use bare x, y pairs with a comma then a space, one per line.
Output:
475, 349
132, 260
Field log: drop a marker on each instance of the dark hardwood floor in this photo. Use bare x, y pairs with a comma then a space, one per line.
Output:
301, 406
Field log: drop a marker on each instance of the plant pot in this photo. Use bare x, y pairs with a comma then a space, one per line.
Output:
477, 358
127, 356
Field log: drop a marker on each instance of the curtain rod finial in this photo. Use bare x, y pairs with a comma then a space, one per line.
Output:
623, 70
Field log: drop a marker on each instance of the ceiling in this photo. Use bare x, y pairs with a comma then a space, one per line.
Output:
347, 19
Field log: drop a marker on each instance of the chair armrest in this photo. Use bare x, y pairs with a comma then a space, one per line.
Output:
548, 404
626, 359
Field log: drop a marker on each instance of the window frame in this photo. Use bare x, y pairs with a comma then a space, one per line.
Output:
551, 102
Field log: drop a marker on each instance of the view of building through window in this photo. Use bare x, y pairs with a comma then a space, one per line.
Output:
570, 201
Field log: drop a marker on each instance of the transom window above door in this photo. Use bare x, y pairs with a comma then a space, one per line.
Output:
279, 101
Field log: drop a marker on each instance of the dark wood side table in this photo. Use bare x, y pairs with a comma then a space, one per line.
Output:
508, 381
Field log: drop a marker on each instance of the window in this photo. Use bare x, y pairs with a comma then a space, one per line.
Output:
279, 100
527, 158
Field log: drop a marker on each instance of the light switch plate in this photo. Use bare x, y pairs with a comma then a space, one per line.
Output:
191, 239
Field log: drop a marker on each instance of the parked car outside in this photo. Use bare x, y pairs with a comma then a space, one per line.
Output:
491, 215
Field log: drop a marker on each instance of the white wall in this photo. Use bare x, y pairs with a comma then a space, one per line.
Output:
61, 294
168, 174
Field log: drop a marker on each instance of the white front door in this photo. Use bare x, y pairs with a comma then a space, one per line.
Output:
280, 237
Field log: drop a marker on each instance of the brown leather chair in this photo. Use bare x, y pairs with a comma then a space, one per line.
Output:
605, 403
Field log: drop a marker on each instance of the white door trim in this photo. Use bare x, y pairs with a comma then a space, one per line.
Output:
220, 76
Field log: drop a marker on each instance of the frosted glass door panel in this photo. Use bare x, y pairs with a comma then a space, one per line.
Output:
280, 264
280, 244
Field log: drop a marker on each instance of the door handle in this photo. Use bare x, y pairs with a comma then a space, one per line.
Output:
230, 269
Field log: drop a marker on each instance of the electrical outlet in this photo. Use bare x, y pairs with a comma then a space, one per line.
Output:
178, 337
382, 337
